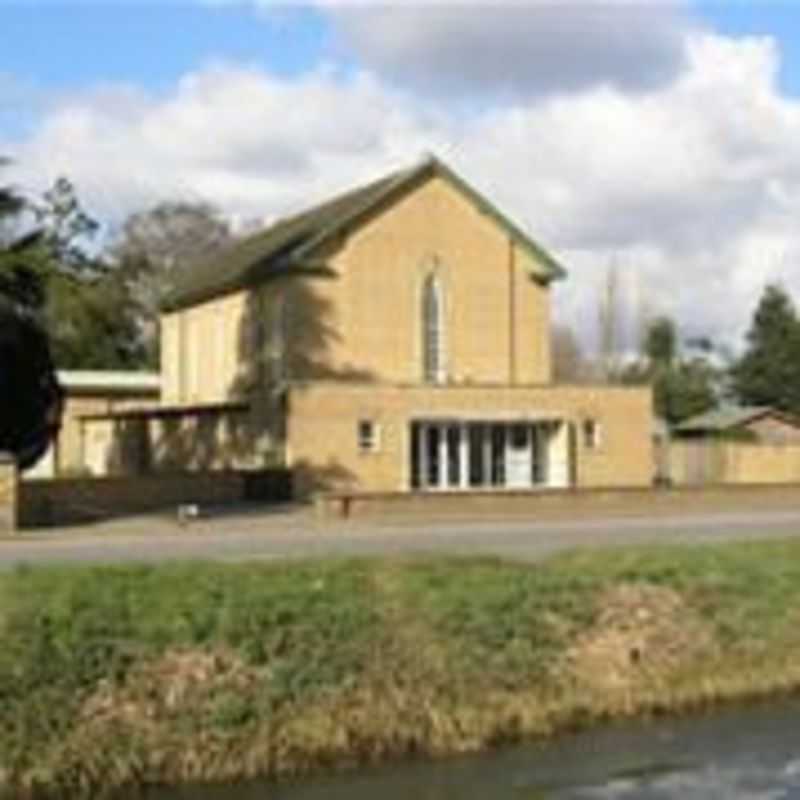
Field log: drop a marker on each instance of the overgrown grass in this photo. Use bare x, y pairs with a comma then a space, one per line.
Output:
117, 677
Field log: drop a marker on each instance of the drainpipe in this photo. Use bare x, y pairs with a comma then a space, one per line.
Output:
512, 317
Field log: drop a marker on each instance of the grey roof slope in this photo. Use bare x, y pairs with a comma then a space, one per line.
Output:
720, 419
290, 241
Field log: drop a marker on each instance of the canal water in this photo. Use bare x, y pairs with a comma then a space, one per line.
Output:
742, 754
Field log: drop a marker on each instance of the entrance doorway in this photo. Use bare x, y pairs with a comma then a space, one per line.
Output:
519, 456
456, 455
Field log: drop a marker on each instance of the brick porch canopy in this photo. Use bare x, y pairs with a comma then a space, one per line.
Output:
170, 411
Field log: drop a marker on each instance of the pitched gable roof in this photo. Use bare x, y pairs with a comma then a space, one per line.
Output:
292, 241
727, 417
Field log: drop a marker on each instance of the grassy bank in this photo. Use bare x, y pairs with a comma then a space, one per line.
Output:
117, 677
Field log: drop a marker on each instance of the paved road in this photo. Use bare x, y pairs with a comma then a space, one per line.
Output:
293, 535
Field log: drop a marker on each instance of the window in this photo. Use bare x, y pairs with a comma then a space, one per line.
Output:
474, 455
591, 434
432, 334
368, 436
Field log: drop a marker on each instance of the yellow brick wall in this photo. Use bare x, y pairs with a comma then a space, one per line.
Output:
532, 344
74, 500
361, 319
559, 505
9, 494
170, 348
205, 348
356, 320
71, 447
323, 419
188, 441
496, 317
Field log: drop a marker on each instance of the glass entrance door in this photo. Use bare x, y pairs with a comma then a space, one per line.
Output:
519, 457
437, 460
478, 455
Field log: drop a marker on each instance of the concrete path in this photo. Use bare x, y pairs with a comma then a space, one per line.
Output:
297, 534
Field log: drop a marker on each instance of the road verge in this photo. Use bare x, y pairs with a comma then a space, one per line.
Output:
117, 677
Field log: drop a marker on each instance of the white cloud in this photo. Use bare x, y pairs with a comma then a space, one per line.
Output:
693, 188
534, 47
233, 135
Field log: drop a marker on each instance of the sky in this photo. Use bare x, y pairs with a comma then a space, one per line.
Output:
660, 137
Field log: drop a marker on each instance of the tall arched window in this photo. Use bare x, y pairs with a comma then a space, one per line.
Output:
432, 330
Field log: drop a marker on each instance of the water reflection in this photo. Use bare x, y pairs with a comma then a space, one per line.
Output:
744, 754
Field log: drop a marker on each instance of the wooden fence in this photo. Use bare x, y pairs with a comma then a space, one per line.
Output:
698, 463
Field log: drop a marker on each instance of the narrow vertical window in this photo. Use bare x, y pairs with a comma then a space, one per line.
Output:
368, 436
591, 434
432, 334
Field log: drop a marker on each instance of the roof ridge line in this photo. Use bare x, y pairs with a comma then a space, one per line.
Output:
291, 240
394, 181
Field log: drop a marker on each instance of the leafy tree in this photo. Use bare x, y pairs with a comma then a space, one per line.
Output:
67, 227
30, 397
87, 309
682, 387
768, 372
156, 246
93, 323
22, 253
684, 390
660, 342
48, 272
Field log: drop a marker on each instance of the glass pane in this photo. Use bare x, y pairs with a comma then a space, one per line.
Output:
519, 437
365, 435
431, 330
477, 468
453, 455
537, 455
415, 455
432, 439
498, 455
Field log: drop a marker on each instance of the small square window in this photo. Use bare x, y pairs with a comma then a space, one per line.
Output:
368, 436
591, 434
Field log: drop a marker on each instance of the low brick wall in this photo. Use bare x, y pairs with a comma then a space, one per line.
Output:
268, 485
559, 503
9, 481
67, 501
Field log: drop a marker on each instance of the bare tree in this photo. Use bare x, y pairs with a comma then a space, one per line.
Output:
569, 365
157, 245
610, 325
643, 313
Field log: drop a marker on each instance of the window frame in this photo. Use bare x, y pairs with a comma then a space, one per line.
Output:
368, 436
591, 434
432, 325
